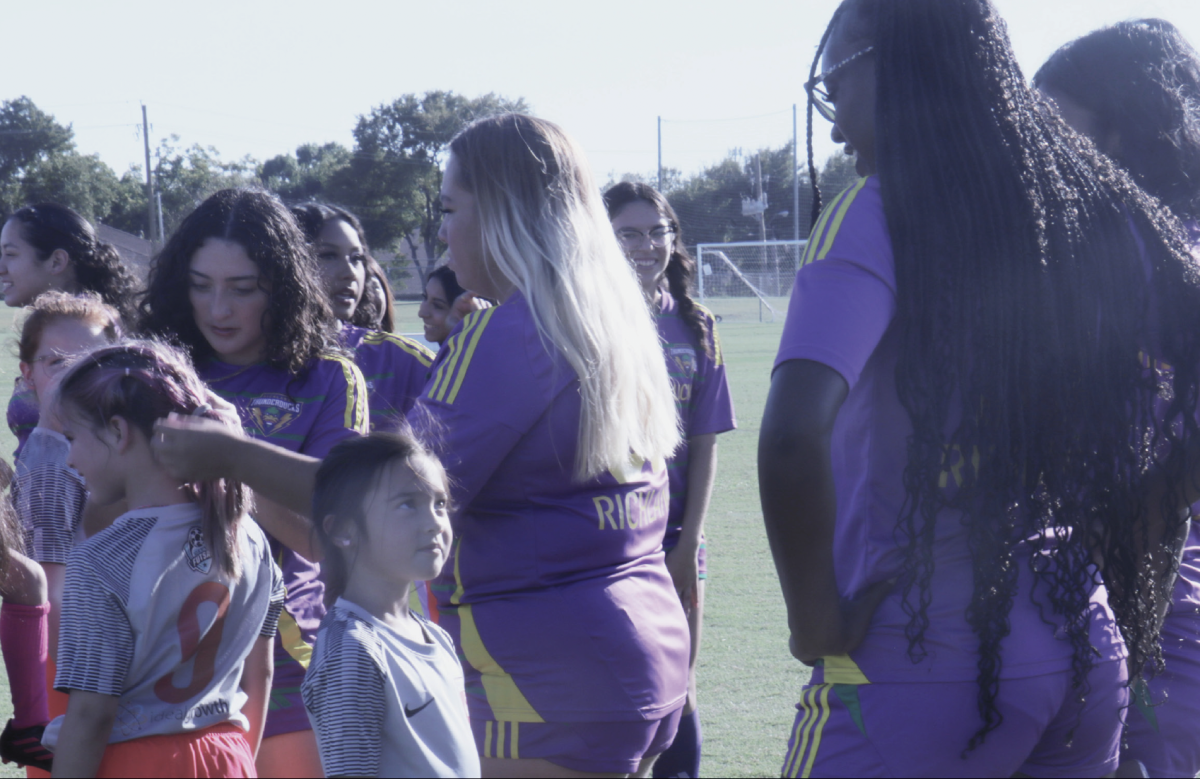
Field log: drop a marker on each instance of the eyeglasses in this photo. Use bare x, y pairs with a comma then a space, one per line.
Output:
819, 97
631, 239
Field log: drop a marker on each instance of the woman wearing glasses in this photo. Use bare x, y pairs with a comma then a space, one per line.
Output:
1134, 89
648, 231
953, 450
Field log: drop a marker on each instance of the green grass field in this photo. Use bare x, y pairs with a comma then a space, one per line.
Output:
748, 683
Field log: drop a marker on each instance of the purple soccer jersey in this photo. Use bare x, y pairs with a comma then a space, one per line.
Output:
841, 315
306, 413
395, 369
556, 593
23, 413
701, 391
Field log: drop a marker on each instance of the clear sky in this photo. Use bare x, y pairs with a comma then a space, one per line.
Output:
261, 78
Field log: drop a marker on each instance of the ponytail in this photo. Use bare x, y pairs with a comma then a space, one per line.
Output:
98, 267
142, 382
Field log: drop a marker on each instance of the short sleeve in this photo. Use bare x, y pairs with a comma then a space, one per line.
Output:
344, 696
844, 297
485, 393
95, 639
712, 404
49, 500
343, 411
275, 607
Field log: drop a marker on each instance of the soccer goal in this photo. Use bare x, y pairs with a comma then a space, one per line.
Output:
733, 275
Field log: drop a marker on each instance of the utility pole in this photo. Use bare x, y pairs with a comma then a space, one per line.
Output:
660, 154
795, 177
149, 176
758, 194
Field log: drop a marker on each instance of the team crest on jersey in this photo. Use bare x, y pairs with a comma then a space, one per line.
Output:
273, 412
683, 358
199, 559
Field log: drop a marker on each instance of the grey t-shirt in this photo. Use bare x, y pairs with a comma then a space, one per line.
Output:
383, 705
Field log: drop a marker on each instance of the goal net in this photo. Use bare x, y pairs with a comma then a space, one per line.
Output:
747, 281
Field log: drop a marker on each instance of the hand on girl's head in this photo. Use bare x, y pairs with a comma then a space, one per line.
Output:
192, 448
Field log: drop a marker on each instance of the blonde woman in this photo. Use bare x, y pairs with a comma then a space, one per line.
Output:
554, 417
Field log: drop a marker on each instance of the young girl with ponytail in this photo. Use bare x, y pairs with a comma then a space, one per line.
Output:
169, 613
385, 688
650, 234
48, 247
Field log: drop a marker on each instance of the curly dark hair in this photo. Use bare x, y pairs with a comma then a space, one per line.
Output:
1141, 80
298, 322
371, 314
97, 265
681, 268
1023, 307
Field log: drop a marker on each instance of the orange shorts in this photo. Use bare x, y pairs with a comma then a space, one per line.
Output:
219, 751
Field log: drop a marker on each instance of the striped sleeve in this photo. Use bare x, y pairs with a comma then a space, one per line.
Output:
447, 381
343, 411
49, 501
412, 348
95, 639
275, 607
844, 298
344, 696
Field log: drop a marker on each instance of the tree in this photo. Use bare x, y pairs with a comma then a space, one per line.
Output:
28, 136
394, 178
306, 175
186, 177
81, 182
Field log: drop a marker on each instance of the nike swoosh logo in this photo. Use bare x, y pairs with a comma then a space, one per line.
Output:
410, 712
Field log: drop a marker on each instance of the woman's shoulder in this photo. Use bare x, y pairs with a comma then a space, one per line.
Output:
853, 227
392, 346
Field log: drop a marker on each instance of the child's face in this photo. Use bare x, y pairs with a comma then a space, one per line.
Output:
61, 339
93, 455
407, 525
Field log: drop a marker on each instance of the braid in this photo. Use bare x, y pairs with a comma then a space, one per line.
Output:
808, 130
680, 270
1033, 396
102, 271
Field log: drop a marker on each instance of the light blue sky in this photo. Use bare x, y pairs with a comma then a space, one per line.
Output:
261, 78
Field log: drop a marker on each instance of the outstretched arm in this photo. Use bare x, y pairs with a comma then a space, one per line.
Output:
195, 449
795, 478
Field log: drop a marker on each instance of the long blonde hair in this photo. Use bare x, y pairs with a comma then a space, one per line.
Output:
544, 227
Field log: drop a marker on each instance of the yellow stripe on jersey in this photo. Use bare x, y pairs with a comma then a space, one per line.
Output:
840, 669
514, 745
356, 394
407, 344
488, 727
833, 216
503, 696
292, 640
454, 355
466, 362
806, 739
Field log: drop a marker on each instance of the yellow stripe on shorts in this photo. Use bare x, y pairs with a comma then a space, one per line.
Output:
806, 739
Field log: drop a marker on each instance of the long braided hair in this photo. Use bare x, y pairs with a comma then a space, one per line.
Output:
1023, 309
681, 268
